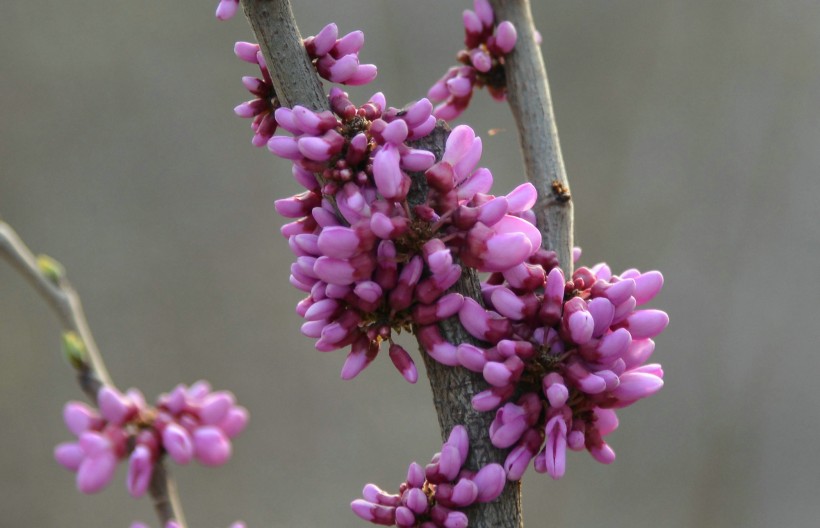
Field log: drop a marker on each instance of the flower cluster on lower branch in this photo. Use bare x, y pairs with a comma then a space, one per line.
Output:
187, 423
434, 496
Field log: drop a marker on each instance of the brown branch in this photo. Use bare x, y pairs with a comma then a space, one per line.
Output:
454, 387
64, 301
296, 82
529, 96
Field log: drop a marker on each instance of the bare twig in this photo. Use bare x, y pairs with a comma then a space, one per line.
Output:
65, 303
529, 96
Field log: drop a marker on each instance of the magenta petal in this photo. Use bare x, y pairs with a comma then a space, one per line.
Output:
211, 446
364, 74
646, 323
395, 132
325, 39
637, 385
177, 442
505, 36
216, 406
490, 481
374, 513
350, 43
69, 455
386, 171
95, 472
647, 286
79, 417
344, 68
140, 469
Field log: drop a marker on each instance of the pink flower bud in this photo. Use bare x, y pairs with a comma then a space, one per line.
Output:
69, 455
140, 468
211, 446
374, 513
79, 417
505, 36
96, 471
177, 442
490, 481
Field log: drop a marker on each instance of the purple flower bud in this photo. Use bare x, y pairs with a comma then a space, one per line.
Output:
556, 449
417, 160
226, 9
386, 172
555, 390
344, 68
415, 475
637, 385
471, 22
436, 346
606, 420
471, 357
646, 323
361, 355
490, 481
505, 36
490, 399
211, 446
325, 39
177, 442
69, 455
404, 363
284, 147
602, 312
365, 73
96, 471
617, 292
79, 417
374, 513
647, 286
416, 500
216, 406
405, 517
235, 421
350, 43
246, 51
140, 469
376, 495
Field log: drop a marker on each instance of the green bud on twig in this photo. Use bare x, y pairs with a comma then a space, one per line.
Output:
50, 268
74, 350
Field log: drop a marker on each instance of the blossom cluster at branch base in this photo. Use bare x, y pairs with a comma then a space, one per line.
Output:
189, 423
434, 496
569, 352
374, 259
482, 62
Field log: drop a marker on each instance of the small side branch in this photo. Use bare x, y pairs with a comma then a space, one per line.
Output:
64, 301
529, 97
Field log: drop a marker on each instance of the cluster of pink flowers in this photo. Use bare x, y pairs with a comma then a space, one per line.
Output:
574, 351
187, 423
336, 59
374, 259
434, 496
482, 62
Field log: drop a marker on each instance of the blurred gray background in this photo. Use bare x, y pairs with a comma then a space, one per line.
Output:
691, 134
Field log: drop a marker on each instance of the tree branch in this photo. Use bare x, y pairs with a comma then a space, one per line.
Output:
65, 303
296, 82
529, 96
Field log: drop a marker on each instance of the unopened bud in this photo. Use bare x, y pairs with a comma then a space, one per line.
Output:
50, 268
74, 350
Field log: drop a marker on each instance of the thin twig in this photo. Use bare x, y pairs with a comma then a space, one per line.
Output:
529, 96
65, 303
